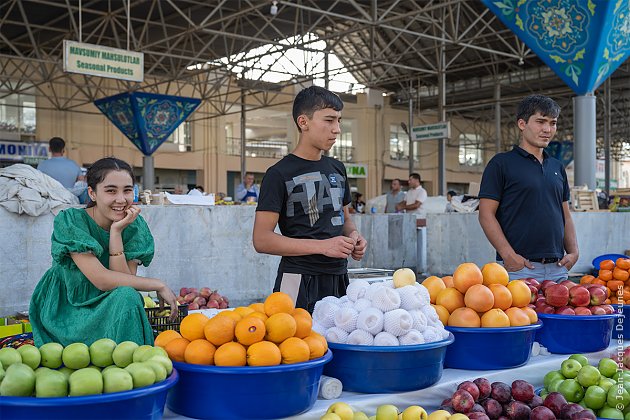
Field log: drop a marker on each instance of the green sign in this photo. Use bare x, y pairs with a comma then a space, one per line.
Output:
356, 170
601, 183
102, 61
440, 130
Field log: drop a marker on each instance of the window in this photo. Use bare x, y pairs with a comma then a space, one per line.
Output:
470, 149
343, 149
398, 143
182, 137
18, 117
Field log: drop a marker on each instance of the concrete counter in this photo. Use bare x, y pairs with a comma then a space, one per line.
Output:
195, 246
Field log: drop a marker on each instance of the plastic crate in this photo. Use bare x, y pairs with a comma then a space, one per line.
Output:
161, 323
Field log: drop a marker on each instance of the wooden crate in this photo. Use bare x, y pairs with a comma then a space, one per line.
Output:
584, 200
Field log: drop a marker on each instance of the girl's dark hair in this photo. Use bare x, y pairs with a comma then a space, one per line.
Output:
99, 170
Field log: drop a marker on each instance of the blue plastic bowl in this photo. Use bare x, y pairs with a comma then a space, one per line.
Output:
141, 403
490, 348
621, 327
205, 392
382, 369
598, 260
568, 334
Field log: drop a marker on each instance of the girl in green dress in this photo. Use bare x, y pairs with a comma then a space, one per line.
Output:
90, 292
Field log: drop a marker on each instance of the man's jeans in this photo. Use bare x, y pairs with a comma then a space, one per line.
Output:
541, 272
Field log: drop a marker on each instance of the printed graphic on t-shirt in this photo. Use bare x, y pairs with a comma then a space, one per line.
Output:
313, 191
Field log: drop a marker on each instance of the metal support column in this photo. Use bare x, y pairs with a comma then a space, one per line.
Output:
409, 130
148, 173
497, 117
607, 113
584, 125
243, 139
442, 117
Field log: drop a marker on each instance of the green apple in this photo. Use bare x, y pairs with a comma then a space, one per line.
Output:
554, 385
387, 412
618, 397
607, 367
76, 356
153, 351
123, 353
439, 415
543, 393
571, 390
330, 416
626, 416
101, 352
605, 383
588, 375
166, 362
158, 369
51, 355
570, 368
51, 383
9, 356
116, 379
414, 412
595, 397
2, 372
139, 352
360, 415
342, 409
30, 356
19, 381
458, 416
550, 376
66, 371
41, 370
142, 374
85, 381
105, 369
610, 413
580, 358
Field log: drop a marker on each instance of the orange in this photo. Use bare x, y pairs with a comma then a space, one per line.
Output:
259, 315
320, 338
607, 265
605, 274
230, 354
192, 326
466, 275
518, 317
521, 294
531, 313
464, 317
620, 274
249, 330
450, 298
278, 302
235, 316
219, 330
315, 347
176, 349
243, 311
166, 337
502, 296
279, 327
200, 352
263, 353
586, 279
294, 350
479, 298
303, 322
495, 273
258, 307
495, 318
623, 263
448, 281
442, 313
434, 285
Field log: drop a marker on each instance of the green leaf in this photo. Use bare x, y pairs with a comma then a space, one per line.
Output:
606, 53
520, 3
618, 57
591, 7
574, 76
579, 55
557, 59
519, 22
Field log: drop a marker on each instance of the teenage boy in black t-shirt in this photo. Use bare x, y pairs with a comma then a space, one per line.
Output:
307, 195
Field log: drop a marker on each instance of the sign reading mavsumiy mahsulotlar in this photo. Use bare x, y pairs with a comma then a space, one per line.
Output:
101, 61
439, 130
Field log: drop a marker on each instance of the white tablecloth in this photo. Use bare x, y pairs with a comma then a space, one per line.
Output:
430, 398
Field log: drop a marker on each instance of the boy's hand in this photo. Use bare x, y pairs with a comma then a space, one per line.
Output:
360, 244
338, 247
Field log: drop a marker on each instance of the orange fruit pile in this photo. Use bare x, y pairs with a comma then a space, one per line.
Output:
485, 297
266, 333
615, 275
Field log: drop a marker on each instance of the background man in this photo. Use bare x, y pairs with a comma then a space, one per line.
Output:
524, 197
64, 170
247, 190
394, 196
416, 195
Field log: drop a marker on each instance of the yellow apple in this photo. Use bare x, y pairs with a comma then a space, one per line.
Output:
387, 412
341, 409
360, 415
330, 416
439, 415
414, 412
404, 277
458, 416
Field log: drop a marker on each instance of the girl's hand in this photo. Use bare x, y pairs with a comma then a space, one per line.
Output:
131, 213
165, 294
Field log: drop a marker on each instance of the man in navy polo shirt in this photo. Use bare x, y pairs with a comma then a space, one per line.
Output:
524, 196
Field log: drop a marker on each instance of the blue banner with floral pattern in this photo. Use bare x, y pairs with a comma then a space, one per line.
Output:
147, 119
582, 41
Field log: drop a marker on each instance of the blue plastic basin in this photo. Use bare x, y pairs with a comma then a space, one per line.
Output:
382, 369
598, 260
490, 348
568, 334
621, 327
219, 392
141, 403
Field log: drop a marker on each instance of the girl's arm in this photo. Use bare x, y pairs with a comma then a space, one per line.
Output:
117, 260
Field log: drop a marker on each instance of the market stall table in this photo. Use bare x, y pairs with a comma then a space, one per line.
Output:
430, 398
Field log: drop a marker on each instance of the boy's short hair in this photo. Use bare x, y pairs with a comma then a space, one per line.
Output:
56, 145
312, 99
416, 176
537, 103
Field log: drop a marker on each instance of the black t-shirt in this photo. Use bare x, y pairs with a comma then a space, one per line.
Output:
530, 196
309, 197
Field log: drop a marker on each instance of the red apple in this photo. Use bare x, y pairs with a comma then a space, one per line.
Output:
213, 304
597, 310
547, 283
181, 300
557, 295
534, 293
581, 310
609, 309
565, 310
543, 308
597, 295
568, 284
579, 296
215, 296
200, 301
205, 292
223, 304
184, 291
534, 282
192, 306
190, 297
531, 305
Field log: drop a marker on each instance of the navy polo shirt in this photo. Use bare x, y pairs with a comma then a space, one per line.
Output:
530, 196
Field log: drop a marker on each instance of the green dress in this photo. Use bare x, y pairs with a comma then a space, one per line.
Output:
67, 308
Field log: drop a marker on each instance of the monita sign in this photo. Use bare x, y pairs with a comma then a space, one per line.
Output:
356, 170
102, 61
19, 151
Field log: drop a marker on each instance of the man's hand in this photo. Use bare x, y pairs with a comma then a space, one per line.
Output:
131, 213
338, 247
568, 261
400, 206
360, 245
516, 262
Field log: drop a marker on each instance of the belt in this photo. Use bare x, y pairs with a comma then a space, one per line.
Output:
544, 260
